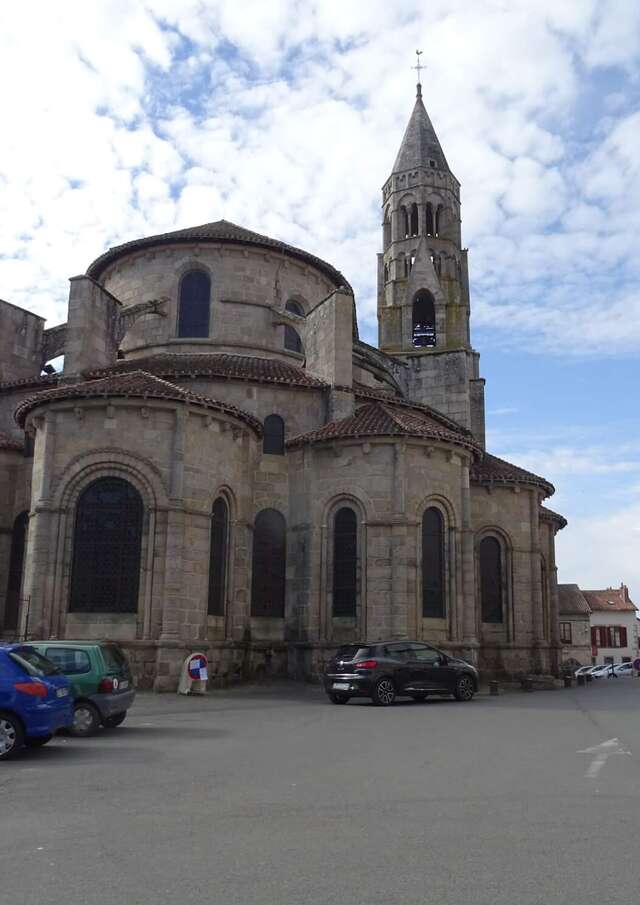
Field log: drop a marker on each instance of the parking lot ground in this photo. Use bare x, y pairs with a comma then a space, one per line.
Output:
271, 795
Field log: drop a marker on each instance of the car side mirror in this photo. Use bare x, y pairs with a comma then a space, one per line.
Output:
443, 660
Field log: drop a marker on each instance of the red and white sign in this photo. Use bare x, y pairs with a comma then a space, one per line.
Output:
636, 664
198, 668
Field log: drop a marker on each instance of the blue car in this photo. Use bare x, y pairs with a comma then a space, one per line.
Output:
35, 699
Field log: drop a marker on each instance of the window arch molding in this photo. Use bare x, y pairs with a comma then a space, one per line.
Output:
220, 555
506, 624
193, 266
297, 305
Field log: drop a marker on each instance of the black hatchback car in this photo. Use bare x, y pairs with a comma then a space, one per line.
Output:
385, 670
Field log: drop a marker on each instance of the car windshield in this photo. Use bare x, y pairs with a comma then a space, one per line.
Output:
33, 663
352, 652
114, 658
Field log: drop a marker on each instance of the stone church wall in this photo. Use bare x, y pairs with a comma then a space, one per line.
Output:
20, 342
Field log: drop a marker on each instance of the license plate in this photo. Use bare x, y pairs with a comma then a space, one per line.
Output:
341, 686
124, 684
62, 692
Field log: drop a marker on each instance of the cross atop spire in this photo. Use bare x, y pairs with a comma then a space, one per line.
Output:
418, 67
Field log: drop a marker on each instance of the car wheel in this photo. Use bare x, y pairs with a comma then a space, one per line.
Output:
37, 741
384, 692
419, 697
86, 720
11, 736
464, 689
111, 722
339, 698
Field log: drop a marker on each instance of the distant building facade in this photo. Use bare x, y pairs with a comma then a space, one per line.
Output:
598, 626
224, 465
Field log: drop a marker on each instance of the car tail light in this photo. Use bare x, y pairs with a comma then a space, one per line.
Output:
106, 685
367, 664
35, 689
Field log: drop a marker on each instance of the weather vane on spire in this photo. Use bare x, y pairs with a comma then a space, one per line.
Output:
419, 67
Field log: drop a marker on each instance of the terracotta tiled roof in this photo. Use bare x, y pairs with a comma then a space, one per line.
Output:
614, 599
384, 396
383, 419
545, 512
220, 231
136, 384
7, 442
492, 470
236, 367
571, 601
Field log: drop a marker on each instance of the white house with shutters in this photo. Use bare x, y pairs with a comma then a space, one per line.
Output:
612, 625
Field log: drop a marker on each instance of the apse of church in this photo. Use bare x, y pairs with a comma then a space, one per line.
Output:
224, 465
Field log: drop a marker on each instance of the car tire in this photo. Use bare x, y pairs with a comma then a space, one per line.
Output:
111, 722
37, 741
464, 689
420, 698
384, 692
339, 698
11, 735
86, 720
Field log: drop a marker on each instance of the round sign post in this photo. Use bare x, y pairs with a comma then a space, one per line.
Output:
636, 666
194, 676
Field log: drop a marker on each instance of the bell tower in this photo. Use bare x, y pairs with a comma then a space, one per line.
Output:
423, 284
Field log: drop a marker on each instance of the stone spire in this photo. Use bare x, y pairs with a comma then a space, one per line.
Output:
420, 144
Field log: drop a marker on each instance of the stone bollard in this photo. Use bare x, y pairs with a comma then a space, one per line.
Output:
580, 679
568, 681
493, 687
527, 684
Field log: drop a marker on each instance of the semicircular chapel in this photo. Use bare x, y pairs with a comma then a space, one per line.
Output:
224, 465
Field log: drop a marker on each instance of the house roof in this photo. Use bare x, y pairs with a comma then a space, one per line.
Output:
492, 470
220, 231
136, 384
610, 599
377, 418
8, 443
571, 601
237, 367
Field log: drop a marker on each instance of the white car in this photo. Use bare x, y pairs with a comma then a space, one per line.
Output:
582, 670
624, 669
603, 672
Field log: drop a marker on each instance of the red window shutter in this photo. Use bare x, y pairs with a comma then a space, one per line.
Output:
594, 637
623, 636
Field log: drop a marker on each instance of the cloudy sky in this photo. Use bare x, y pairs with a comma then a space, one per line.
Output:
124, 118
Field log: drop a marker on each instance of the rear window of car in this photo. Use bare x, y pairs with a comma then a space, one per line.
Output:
114, 658
352, 652
33, 663
70, 660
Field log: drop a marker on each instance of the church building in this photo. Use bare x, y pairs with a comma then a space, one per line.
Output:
224, 466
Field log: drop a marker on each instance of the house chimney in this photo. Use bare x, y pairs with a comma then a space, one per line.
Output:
624, 592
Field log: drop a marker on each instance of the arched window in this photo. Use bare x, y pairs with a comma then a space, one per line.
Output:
107, 539
345, 562
430, 230
218, 553
433, 574
414, 219
438, 220
273, 436
292, 341
404, 222
269, 569
491, 592
385, 273
16, 566
193, 311
386, 230
424, 320
294, 307
438, 264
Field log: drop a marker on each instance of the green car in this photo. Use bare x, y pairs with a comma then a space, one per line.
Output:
101, 681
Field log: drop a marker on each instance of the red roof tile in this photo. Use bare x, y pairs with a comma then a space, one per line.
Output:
384, 396
7, 442
614, 599
490, 469
236, 367
220, 231
136, 384
384, 419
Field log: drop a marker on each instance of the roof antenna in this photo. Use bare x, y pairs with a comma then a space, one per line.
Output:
419, 67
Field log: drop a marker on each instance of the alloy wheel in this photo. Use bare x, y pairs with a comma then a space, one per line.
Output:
8, 737
385, 692
464, 690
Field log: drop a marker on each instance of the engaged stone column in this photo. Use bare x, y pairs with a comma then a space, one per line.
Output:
469, 619
537, 616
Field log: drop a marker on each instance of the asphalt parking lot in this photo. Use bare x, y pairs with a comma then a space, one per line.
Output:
271, 795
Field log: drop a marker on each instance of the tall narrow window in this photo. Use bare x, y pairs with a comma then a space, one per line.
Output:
433, 578
292, 341
268, 577
273, 436
16, 565
218, 553
107, 539
404, 222
491, 593
430, 229
438, 221
424, 320
345, 562
193, 311
386, 230
385, 273
414, 220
